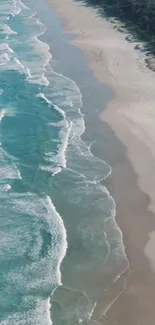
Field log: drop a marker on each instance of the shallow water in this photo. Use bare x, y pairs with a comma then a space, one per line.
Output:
51, 196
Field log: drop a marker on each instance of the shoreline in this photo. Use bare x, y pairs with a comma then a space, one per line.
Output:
132, 122
115, 276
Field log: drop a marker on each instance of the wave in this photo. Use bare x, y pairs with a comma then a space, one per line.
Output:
60, 157
64, 131
5, 187
58, 109
5, 47
31, 217
4, 59
41, 95
2, 114
5, 29
40, 315
9, 8
8, 167
35, 72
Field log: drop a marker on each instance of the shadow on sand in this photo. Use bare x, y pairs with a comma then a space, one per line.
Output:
138, 23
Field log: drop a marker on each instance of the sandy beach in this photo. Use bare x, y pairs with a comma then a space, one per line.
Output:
131, 114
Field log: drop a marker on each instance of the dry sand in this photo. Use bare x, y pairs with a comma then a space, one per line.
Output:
131, 114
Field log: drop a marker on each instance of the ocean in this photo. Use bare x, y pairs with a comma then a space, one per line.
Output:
57, 221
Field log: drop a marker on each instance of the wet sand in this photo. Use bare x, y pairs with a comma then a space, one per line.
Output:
131, 114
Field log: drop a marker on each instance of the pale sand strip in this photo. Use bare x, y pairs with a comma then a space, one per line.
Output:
131, 114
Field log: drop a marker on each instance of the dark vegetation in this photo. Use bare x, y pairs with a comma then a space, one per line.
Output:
138, 16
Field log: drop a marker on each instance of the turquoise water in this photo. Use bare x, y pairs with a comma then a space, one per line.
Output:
49, 179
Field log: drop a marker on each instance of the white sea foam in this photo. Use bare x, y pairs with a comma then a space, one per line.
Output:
5, 187
9, 111
71, 96
63, 249
58, 109
40, 315
20, 66
10, 7
60, 157
65, 128
16, 8
41, 95
8, 167
50, 169
43, 208
5, 47
38, 69
5, 29
37, 78
62, 123
2, 113
8, 59
34, 69
4, 58
35, 72
9, 172
38, 214
3, 18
